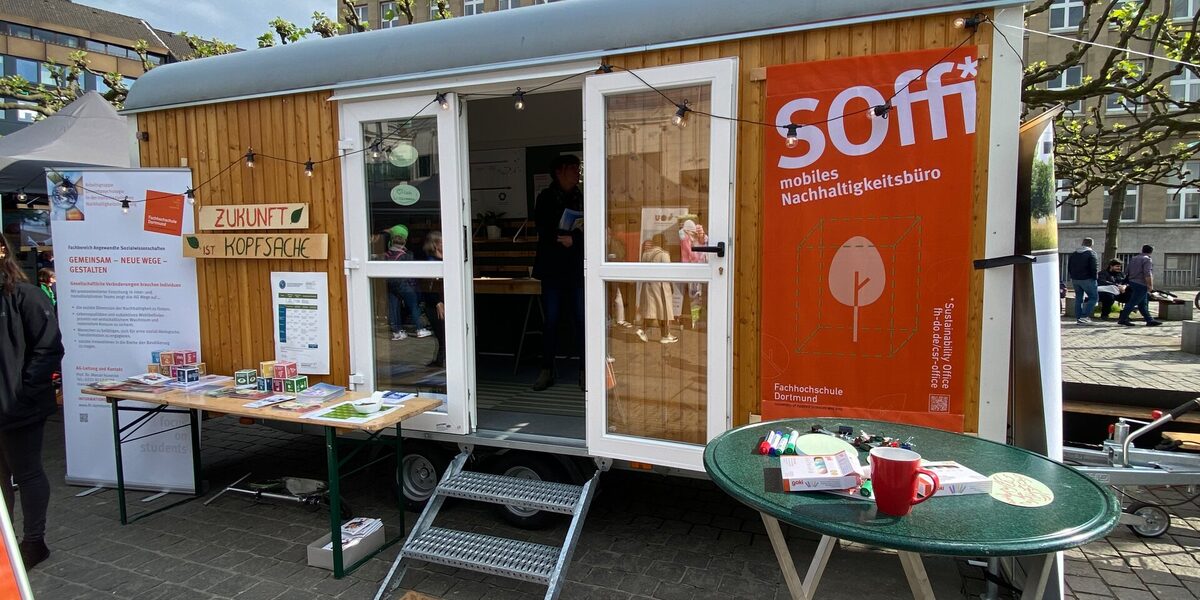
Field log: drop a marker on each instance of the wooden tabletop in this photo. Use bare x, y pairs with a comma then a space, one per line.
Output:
508, 285
234, 406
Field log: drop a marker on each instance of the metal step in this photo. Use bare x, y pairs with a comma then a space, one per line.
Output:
514, 491
514, 559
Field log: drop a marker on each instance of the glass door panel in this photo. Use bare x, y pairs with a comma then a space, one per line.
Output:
406, 257
658, 291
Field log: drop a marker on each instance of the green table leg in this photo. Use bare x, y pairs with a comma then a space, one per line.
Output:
116, 423
194, 416
335, 502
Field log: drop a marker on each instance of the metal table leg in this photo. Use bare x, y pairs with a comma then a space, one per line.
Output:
800, 590
116, 421
335, 501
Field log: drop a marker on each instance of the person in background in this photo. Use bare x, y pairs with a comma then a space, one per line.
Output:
1141, 281
1111, 288
558, 263
30, 353
47, 281
616, 253
435, 305
402, 290
691, 235
656, 299
1082, 266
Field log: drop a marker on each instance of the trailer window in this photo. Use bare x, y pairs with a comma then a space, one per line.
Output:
403, 189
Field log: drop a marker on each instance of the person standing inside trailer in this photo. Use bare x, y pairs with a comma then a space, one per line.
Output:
31, 353
558, 263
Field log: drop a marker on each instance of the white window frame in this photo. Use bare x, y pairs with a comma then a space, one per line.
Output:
1190, 8
384, 22
1134, 193
363, 12
1061, 9
472, 7
1188, 81
507, 4
721, 75
1061, 83
1061, 190
1182, 193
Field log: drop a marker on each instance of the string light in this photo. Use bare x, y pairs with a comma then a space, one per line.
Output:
792, 139
681, 111
442, 101
308, 168
125, 205
970, 22
881, 111
520, 102
21, 196
375, 150
190, 194
250, 158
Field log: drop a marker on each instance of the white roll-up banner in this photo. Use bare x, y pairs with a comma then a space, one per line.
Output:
124, 291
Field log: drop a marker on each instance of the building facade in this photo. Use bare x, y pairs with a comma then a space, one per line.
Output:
34, 34
382, 14
1165, 216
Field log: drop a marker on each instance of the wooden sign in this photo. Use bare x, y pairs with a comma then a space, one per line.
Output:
254, 216
282, 246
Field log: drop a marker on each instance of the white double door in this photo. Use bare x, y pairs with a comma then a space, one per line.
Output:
658, 254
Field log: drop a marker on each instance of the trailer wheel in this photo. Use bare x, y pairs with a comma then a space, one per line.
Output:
528, 466
1157, 520
423, 467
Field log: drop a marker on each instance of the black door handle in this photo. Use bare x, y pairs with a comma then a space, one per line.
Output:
719, 249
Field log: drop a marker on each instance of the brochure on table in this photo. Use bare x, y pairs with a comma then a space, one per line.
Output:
300, 309
124, 291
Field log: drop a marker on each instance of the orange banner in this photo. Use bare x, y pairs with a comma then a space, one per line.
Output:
866, 237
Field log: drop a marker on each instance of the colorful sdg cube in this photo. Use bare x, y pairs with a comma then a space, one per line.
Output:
296, 384
245, 378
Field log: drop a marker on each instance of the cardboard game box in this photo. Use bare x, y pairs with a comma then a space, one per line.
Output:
955, 479
816, 473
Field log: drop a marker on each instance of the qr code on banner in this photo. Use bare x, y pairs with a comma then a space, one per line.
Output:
939, 403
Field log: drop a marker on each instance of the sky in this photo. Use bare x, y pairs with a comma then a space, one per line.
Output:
237, 21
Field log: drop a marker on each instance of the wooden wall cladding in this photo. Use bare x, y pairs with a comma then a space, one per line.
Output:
756, 53
236, 326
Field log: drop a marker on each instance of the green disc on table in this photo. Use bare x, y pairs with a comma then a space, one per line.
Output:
819, 443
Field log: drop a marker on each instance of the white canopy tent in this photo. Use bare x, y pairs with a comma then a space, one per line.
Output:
86, 133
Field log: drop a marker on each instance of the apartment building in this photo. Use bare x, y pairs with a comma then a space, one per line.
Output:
377, 12
1168, 217
35, 32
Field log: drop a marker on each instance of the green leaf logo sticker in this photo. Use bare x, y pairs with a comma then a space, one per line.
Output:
296, 214
405, 195
192, 241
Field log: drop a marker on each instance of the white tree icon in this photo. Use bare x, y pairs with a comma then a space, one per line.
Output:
856, 275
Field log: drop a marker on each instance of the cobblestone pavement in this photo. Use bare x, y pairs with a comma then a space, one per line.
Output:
1143, 357
647, 536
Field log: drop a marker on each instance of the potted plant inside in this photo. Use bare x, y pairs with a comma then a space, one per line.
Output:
491, 222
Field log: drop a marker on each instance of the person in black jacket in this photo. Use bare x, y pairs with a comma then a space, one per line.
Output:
1112, 288
31, 352
1082, 266
558, 263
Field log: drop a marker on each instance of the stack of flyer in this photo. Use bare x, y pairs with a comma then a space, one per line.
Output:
355, 530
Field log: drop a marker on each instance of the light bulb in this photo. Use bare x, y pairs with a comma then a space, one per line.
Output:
250, 158
20, 196
125, 206
520, 102
308, 168
680, 118
375, 151
792, 140
443, 102
190, 194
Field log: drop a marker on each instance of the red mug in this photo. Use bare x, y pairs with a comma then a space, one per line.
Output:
894, 478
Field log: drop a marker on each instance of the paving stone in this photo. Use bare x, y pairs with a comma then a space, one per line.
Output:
1168, 592
263, 590
1091, 585
1119, 579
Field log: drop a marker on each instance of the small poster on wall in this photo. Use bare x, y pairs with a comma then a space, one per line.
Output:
300, 309
867, 237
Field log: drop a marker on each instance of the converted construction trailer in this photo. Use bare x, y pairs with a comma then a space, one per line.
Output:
374, 97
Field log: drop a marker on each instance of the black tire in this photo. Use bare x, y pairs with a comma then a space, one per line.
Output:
1158, 521
423, 466
528, 466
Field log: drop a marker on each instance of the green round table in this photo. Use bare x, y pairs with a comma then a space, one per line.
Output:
968, 525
